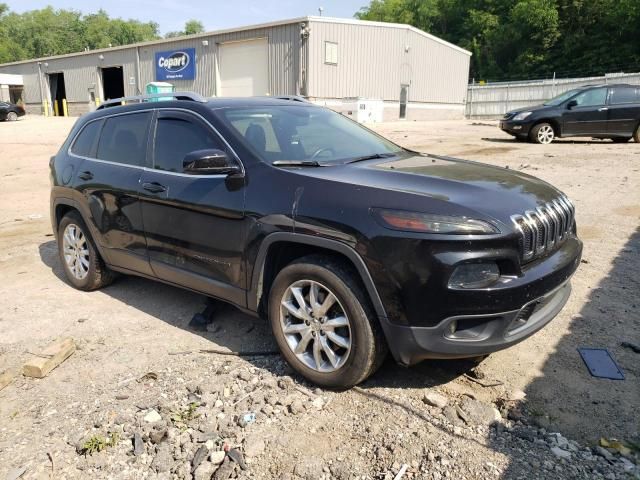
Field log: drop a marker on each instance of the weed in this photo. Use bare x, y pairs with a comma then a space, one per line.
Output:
97, 443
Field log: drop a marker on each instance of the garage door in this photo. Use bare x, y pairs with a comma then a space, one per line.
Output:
244, 68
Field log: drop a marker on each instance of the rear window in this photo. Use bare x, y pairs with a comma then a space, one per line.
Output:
124, 139
624, 95
85, 142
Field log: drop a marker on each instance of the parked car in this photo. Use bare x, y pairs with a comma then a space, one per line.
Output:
348, 244
597, 111
10, 111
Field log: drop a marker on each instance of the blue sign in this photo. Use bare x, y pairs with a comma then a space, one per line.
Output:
176, 64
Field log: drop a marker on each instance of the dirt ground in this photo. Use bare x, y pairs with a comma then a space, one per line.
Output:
137, 326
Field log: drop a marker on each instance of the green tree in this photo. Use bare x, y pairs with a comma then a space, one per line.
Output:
190, 28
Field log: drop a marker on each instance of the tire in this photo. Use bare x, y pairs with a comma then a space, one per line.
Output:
357, 343
83, 267
542, 133
12, 116
620, 139
636, 135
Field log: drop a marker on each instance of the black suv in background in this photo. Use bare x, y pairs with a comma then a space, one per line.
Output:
349, 244
597, 111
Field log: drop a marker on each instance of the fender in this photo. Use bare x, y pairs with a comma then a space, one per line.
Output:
255, 291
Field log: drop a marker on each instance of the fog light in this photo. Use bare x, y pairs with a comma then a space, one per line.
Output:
474, 275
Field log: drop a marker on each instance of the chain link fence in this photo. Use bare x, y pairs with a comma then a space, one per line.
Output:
492, 100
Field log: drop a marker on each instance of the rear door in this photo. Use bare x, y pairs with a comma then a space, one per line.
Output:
194, 224
107, 183
4, 109
624, 110
589, 116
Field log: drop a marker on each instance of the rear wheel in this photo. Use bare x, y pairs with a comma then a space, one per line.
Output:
636, 135
323, 323
80, 259
620, 139
542, 133
12, 116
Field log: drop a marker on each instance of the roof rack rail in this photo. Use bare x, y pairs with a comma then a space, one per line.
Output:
191, 96
293, 98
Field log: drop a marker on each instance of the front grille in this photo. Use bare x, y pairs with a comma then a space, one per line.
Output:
545, 228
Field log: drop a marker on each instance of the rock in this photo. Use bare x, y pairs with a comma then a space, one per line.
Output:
451, 414
156, 436
225, 470
603, 452
244, 375
309, 468
237, 457
318, 403
205, 471
138, 444
560, 453
253, 446
163, 461
217, 457
435, 399
199, 457
476, 412
16, 473
296, 407
152, 416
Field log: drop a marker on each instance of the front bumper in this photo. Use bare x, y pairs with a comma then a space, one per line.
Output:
518, 129
475, 335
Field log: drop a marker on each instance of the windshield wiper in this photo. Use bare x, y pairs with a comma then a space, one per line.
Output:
371, 157
296, 163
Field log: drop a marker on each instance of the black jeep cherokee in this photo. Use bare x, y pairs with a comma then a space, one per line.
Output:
348, 243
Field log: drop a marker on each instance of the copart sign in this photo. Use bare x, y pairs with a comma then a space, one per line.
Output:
176, 64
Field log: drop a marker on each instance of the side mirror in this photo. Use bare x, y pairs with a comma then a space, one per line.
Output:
209, 162
571, 104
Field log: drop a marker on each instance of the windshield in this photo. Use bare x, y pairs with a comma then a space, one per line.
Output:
301, 133
554, 102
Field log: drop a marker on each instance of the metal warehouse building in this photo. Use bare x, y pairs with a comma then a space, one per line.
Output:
372, 71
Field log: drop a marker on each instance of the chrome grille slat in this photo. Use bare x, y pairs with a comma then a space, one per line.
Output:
545, 228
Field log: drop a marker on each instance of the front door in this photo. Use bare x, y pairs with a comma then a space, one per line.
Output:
107, 183
404, 96
194, 224
589, 116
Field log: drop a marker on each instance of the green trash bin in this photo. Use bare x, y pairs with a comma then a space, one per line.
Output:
160, 87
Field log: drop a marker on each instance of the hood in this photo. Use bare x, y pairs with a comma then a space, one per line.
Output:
449, 183
533, 108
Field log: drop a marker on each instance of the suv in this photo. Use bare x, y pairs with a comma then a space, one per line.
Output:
600, 111
349, 244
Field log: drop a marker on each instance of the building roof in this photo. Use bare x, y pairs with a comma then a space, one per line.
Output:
349, 21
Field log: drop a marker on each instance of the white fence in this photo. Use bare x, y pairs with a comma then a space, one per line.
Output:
494, 99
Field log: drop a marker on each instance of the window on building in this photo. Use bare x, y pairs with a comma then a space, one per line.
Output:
331, 53
124, 139
85, 143
176, 137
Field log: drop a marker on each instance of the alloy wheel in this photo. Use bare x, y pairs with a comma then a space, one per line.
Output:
315, 326
76, 251
12, 116
545, 134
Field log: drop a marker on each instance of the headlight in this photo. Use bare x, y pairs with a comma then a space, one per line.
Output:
474, 275
522, 116
426, 223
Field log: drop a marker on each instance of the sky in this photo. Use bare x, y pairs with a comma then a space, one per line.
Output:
171, 15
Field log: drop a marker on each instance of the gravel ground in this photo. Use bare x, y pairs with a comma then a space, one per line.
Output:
140, 390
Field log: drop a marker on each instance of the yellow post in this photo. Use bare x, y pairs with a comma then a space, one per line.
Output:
97, 102
55, 108
45, 108
65, 109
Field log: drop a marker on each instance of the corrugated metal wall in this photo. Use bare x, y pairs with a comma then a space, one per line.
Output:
81, 72
373, 62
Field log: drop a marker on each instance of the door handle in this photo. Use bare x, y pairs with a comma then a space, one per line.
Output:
603, 109
86, 175
154, 187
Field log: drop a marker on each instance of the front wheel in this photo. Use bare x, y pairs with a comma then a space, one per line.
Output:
81, 261
323, 323
12, 116
542, 133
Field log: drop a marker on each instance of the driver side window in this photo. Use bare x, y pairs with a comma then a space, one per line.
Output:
178, 135
592, 98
